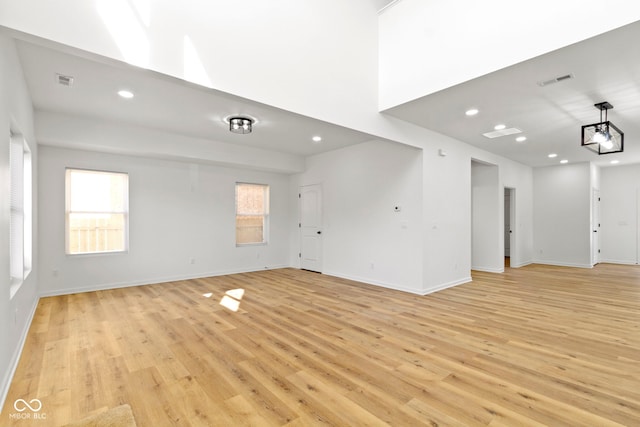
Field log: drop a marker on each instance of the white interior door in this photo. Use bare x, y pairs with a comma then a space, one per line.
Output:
311, 227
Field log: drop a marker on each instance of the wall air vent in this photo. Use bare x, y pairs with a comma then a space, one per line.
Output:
503, 132
63, 80
555, 80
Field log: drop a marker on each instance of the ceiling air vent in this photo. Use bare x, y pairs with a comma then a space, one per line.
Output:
503, 132
63, 80
555, 80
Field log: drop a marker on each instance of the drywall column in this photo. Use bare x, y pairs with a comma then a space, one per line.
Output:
486, 218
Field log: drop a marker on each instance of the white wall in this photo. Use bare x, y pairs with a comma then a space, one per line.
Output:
562, 214
486, 218
15, 114
363, 238
620, 214
178, 212
70, 131
520, 178
427, 46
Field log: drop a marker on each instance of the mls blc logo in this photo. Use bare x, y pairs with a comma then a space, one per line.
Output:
27, 410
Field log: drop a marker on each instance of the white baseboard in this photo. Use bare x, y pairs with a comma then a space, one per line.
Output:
15, 358
488, 269
153, 281
399, 288
520, 264
447, 285
372, 282
561, 264
617, 261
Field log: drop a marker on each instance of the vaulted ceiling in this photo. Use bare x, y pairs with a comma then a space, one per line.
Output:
604, 68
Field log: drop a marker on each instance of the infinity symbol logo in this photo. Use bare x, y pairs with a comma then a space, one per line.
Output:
37, 405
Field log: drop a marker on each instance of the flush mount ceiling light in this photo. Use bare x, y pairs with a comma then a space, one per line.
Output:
603, 137
239, 124
472, 112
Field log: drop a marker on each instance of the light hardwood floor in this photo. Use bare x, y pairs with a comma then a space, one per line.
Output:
538, 345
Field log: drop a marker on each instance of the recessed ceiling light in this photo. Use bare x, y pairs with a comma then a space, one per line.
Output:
499, 127
125, 94
564, 161
552, 155
615, 162
521, 138
317, 138
472, 112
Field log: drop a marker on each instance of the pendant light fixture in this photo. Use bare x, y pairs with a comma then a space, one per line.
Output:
603, 137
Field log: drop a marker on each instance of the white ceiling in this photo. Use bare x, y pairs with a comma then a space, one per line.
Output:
166, 104
605, 68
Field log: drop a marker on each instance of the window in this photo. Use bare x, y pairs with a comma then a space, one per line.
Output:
252, 213
20, 221
97, 211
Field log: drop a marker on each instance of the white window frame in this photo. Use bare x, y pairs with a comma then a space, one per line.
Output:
264, 215
21, 211
68, 212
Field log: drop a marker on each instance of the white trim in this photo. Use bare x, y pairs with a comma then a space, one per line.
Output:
393, 3
447, 285
489, 269
372, 282
618, 261
154, 281
561, 264
15, 359
400, 288
521, 264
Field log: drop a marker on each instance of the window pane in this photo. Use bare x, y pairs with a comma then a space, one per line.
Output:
97, 205
249, 229
252, 208
96, 233
251, 199
97, 191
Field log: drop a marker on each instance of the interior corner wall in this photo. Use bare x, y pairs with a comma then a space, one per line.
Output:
364, 239
181, 223
15, 114
620, 214
456, 41
562, 215
486, 218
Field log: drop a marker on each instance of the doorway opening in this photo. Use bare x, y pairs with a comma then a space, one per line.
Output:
509, 225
